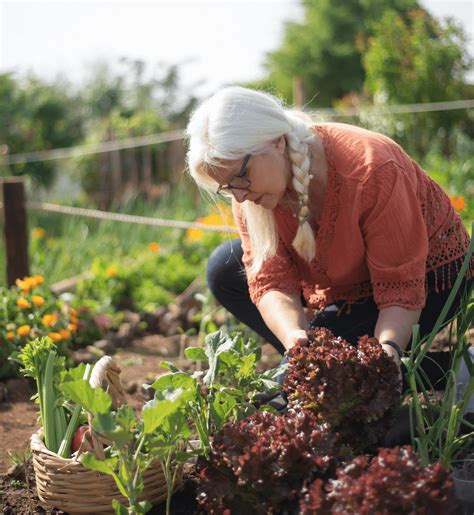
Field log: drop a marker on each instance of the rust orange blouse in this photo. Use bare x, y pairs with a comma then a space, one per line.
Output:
385, 224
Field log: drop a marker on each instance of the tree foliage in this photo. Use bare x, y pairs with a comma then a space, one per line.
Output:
325, 48
418, 59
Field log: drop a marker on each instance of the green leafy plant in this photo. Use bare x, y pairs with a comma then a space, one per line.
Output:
135, 443
435, 425
39, 360
226, 390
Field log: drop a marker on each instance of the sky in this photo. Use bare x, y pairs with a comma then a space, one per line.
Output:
219, 41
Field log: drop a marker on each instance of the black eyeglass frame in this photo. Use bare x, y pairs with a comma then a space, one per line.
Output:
239, 176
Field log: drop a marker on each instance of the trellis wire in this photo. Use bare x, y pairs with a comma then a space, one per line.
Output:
120, 217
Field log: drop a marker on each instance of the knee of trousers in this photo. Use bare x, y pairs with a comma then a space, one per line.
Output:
224, 268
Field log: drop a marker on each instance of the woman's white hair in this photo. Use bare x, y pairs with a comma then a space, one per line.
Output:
237, 121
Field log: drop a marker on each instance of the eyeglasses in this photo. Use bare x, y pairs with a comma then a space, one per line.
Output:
239, 182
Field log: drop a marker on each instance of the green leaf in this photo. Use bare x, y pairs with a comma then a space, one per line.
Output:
106, 467
73, 374
107, 424
217, 343
170, 366
156, 413
221, 408
176, 387
119, 508
93, 400
144, 506
230, 358
126, 417
195, 353
248, 366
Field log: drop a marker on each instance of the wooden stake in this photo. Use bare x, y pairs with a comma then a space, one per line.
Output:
15, 228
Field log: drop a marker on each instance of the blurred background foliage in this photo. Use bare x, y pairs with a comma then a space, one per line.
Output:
358, 54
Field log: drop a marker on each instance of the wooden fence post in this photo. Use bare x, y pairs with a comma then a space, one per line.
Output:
15, 228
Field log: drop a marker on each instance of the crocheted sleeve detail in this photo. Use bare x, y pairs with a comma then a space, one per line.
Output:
395, 237
277, 273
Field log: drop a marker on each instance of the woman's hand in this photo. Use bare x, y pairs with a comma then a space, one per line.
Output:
394, 355
297, 336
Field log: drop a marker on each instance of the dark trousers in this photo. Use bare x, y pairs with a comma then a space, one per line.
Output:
228, 283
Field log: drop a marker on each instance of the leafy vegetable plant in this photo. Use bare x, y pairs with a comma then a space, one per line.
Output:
393, 482
353, 389
40, 361
260, 463
229, 385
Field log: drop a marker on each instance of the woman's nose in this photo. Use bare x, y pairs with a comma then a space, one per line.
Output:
240, 195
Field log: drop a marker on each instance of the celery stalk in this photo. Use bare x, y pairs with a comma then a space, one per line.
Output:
65, 447
48, 408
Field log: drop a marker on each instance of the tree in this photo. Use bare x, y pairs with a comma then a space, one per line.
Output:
37, 116
325, 48
418, 59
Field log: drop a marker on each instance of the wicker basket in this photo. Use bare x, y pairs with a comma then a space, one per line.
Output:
66, 484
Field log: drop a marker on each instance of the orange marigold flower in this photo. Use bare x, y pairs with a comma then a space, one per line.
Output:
38, 233
10, 335
72, 327
56, 337
37, 300
39, 279
111, 271
154, 247
23, 330
24, 285
23, 303
49, 320
459, 202
65, 334
74, 312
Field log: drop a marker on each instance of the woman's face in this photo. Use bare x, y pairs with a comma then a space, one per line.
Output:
269, 175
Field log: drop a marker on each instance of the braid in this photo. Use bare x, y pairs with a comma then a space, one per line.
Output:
298, 151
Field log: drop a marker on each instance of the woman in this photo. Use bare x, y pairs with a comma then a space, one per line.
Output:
332, 217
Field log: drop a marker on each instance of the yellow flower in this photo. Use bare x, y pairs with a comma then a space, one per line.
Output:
23, 330
23, 303
56, 337
24, 285
39, 279
28, 283
72, 327
111, 271
38, 233
37, 300
214, 218
65, 334
10, 335
49, 320
154, 247
459, 203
